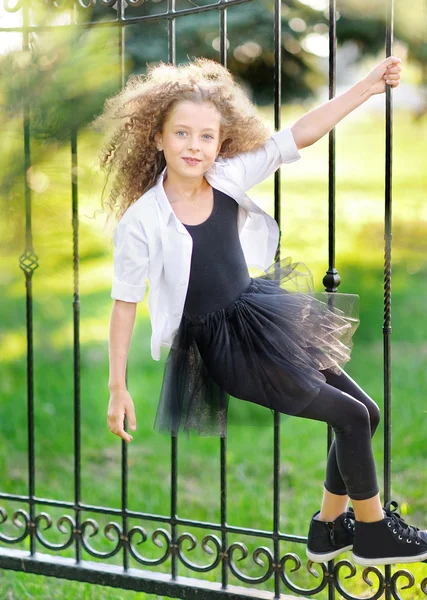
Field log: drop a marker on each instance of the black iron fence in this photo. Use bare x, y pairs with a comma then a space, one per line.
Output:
78, 525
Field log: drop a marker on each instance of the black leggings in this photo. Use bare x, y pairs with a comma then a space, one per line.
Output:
354, 417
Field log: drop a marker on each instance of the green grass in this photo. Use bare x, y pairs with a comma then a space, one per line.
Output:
303, 444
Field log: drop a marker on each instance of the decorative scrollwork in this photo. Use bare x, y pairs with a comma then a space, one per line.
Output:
108, 3
310, 569
193, 544
135, 2
401, 573
156, 537
256, 556
65, 519
11, 9
28, 261
15, 520
85, 5
290, 556
211, 544
108, 529
57, 4
351, 566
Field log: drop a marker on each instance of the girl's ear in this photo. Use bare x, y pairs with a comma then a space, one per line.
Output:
158, 141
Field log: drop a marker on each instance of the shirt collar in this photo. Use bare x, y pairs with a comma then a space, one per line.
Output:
162, 199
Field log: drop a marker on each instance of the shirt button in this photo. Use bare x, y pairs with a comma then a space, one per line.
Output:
176, 314
182, 282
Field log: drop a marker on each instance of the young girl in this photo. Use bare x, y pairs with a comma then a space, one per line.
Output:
187, 146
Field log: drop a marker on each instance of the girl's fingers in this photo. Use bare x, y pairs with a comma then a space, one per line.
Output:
131, 416
122, 433
115, 425
127, 438
392, 60
392, 76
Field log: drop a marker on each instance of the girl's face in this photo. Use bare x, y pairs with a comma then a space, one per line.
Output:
190, 138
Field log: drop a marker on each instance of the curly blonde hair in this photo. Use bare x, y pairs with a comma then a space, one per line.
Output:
138, 112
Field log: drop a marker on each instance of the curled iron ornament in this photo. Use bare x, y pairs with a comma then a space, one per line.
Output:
290, 556
57, 4
12, 9
365, 573
256, 556
15, 520
156, 537
65, 519
401, 573
193, 544
110, 527
86, 5
310, 569
108, 3
28, 262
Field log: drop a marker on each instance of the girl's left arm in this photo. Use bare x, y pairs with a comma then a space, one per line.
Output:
319, 121
250, 168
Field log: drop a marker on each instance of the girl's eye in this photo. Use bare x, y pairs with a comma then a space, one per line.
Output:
205, 135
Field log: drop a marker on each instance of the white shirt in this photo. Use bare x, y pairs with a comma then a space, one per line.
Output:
151, 243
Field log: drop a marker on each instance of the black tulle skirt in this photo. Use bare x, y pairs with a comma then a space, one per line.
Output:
268, 348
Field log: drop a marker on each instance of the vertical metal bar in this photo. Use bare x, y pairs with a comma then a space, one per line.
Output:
223, 34
223, 508
277, 106
28, 267
387, 277
171, 34
174, 491
124, 461
76, 341
124, 502
387, 262
223, 439
331, 279
277, 214
174, 439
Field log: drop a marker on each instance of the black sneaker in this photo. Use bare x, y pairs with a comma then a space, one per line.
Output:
327, 539
388, 541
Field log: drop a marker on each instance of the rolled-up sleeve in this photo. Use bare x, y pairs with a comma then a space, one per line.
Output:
287, 147
131, 259
256, 165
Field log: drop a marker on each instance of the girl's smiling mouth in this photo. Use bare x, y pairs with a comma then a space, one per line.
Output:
192, 161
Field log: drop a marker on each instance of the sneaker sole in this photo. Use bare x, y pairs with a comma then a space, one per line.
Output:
360, 560
317, 557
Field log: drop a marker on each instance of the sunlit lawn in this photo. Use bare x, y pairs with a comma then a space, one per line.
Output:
359, 245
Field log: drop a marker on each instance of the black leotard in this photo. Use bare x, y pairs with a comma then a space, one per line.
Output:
219, 273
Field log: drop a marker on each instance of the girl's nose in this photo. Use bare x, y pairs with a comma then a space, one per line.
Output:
194, 143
